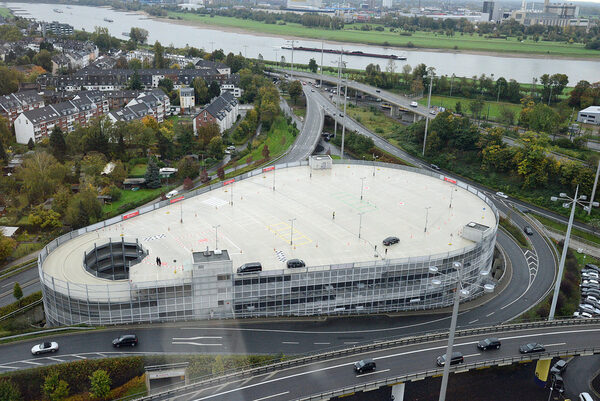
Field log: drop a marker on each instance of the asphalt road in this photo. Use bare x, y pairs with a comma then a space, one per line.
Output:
318, 377
580, 370
29, 281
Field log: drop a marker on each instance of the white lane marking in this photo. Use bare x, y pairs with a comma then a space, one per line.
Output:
470, 355
193, 343
553, 345
271, 396
55, 359
290, 342
101, 354
373, 373
321, 343
11, 283
473, 321
490, 314
194, 338
270, 375
350, 342
7, 367
31, 362
80, 357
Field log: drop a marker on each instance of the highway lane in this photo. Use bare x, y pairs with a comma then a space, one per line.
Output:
28, 280
580, 371
318, 377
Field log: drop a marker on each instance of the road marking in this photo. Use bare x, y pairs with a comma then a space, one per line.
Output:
290, 342
7, 367
271, 396
350, 342
33, 363
270, 375
373, 373
101, 354
490, 314
321, 343
552, 345
193, 343
470, 355
11, 283
194, 338
80, 357
473, 321
54, 359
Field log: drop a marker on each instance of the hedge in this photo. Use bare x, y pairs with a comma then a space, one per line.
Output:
29, 299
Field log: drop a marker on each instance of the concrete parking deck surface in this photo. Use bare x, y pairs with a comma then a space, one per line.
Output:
258, 227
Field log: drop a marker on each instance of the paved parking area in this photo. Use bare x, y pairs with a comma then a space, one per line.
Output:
296, 220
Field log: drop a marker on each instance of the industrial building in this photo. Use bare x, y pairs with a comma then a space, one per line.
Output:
589, 115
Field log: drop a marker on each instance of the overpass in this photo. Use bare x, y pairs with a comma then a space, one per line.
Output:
398, 363
400, 102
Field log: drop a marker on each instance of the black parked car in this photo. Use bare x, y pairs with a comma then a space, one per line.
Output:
124, 340
293, 263
528, 230
559, 367
531, 348
488, 343
391, 241
365, 365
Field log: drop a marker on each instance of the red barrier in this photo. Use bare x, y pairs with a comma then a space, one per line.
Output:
268, 169
177, 199
130, 215
229, 182
449, 180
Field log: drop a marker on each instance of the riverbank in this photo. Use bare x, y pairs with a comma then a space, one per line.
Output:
422, 41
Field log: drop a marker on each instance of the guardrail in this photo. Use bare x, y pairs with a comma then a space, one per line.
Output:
464, 367
153, 368
442, 335
23, 309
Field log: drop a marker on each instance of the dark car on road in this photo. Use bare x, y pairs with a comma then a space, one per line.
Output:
434, 166
559, 367
391, 241
528, 230
488, 343
457, 357
364, 365
531, 348
125, 340
293, 263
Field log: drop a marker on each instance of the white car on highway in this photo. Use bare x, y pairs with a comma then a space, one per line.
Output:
414, 104
502, 195
172, 194
44, 347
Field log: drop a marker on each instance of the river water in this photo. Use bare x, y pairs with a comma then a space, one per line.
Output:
251, 45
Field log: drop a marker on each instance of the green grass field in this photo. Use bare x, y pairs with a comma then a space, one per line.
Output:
139, 170
5, 12
133, 198
376, 121
418, 39
563, 228
450, 102
278, 139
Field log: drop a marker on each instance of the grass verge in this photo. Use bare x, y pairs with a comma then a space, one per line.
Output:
515, 232
132, 199
563, 229
493, 108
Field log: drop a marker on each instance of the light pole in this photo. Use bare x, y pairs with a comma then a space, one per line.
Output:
360, 222
292, 230
321, 82
451, 195
344, 118
292, 42
458, 291
216, 235
374, 158
451, 83
569, 202
594, 189
340, 64
431, 74
426, 217
362, 183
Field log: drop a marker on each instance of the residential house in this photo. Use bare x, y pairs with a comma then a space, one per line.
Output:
16, 103
222, 111
187, 100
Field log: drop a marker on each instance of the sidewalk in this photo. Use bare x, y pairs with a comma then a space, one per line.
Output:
23, 259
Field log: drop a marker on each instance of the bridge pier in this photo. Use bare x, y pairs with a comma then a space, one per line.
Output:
398, 392
394, 110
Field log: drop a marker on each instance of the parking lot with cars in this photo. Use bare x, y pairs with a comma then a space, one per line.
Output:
590, 292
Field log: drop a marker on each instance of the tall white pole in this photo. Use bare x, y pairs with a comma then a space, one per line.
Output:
561, 265
321, 84
451, 335
344, 119
594, 189
427, 117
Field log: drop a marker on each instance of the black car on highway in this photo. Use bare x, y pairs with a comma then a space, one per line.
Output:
125, 340
531, 348
528, 230
457, 357
559, 367
364, 365
488, 343
391, 241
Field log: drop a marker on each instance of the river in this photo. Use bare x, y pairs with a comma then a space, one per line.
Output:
522, 69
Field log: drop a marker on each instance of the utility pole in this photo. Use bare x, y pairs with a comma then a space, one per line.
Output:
216, 235
426, 217
360, 222
321, 84
292, 230
428, 106
344, 118
594, 189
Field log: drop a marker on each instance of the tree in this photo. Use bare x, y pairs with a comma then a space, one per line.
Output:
188, 167
214, 89
295, 90
215, 147
159, 56
138, 35
40, 175
204, 178
266, 152
30, 144
166, 84
458, 108
187, 184
7, 245
135, 81
84, 208
17, 292
200, 90
9, 391
40, 217
58, 146
100, 383
206, 133
507, 115
221, 173
44, 60
54, 388
543, 119
152, 174
476, 106
3, 156
218, 367
312, 65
